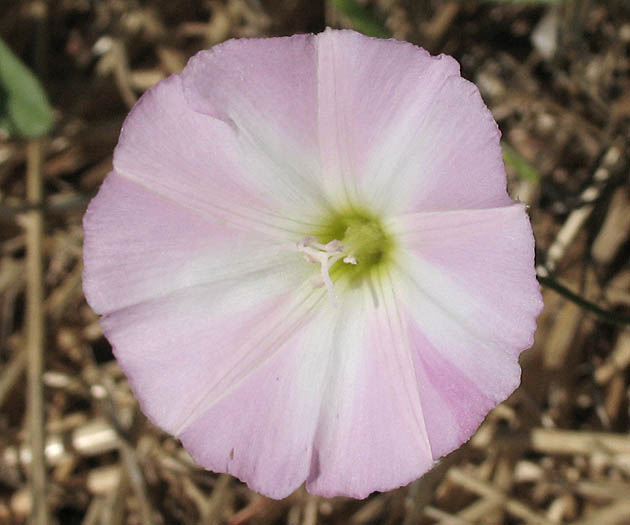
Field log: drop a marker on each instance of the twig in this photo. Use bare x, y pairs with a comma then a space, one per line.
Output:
476, 511
57, 205
370, 512
126, 450
602, 490
199, 498
421, 492
260, 508
136, 480
94, 511
11, 373
554, 441
503, 480
578, 217
218, 498
617, 512
113, 512
122, 74
513, 506
310, 511
444, 518
617, 361
436, 28
35, 331
11, 285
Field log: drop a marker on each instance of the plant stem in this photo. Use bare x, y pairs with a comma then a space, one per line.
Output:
604, 315
35, 331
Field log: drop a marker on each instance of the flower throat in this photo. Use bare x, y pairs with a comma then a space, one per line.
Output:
349, 246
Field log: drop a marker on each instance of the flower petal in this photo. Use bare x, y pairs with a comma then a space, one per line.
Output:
477, 264
265, 89
183, 352
140, 245
402, 129
263, 431
453, 405
461, 375
195, 161
471, 298
371, 434
338, 406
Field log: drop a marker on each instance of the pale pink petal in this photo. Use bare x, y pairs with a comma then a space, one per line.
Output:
402, 129
338, 406
461, 374
197, 162
263, 431
477, 264
372, 434
185, 351
453, 405
140, 245
470, 298
266, 90
455, 155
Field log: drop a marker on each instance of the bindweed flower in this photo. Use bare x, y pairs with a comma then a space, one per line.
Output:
307, 263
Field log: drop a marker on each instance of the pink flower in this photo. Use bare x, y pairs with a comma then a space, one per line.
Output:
307, 263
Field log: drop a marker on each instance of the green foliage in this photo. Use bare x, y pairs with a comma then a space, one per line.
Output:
515, 161
360, 18
24, 107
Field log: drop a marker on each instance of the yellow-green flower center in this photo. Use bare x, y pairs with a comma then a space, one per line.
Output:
362, 237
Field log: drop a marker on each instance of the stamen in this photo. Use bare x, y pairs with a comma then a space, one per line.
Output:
325, 255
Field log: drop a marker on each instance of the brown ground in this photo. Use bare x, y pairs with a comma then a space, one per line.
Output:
558, 451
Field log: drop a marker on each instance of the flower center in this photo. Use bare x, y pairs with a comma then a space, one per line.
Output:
365, 240
325, 255
348, 246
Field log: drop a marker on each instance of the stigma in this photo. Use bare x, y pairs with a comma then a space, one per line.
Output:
325, 255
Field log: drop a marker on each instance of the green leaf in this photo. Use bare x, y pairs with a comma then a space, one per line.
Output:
515, 161
360, 18
24, 107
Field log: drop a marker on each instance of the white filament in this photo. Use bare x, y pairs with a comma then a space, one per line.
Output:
325, 255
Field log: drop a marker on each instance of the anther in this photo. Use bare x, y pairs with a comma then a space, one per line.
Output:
325, 255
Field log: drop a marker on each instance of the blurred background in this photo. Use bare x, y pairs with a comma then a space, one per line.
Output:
556, 75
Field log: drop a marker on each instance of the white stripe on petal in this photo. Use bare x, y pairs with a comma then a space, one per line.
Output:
202, 164
400, 130
450, 319
265, 90
477, 265
185, 351
140, 246
264, 340
263, 431
371, 434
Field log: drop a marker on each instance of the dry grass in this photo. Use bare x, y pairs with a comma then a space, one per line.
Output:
558, 451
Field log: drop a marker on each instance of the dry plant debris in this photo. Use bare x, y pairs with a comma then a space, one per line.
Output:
557, 78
